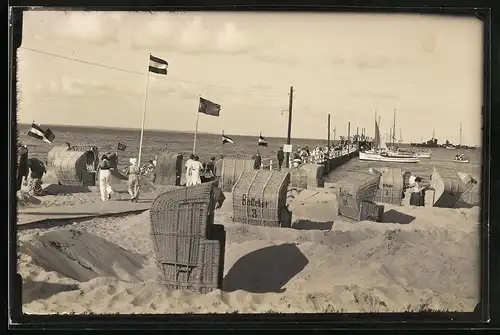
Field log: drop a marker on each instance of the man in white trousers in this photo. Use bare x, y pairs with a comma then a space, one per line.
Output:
105, 178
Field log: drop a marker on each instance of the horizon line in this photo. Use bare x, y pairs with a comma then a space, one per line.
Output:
161, 130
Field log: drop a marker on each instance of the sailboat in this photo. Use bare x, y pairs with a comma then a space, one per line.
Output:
381, 153
461, 158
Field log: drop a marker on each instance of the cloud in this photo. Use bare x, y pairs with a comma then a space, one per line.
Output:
194, 35
94, 27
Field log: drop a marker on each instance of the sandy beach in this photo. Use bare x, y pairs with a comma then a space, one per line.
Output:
321, 264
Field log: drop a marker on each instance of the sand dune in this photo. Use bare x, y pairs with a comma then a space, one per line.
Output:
321, 264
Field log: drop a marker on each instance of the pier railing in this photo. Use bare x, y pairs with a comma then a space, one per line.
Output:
272, 163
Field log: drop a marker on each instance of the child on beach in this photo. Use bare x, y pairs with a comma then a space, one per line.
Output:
105, 178
132, 172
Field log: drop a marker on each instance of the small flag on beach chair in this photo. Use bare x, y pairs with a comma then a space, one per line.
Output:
121, 146
226, 139
68, 144
40, 134
157, 65
208, 107
262, 141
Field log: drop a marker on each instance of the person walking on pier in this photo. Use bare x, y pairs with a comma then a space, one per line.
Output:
281, 157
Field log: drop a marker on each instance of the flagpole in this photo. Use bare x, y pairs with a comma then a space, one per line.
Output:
143, 116
196, 128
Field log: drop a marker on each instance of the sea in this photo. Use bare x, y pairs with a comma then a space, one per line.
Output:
209, 145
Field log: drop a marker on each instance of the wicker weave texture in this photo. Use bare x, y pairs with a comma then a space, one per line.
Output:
259, 197
448, 187
391, 186
298, 177
229, 170
70, 166
315, 174
187, 244
472, 196
169, 168
354, 189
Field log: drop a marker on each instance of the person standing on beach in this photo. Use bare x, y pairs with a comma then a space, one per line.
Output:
113, 165
104, 178
22, 166
210, 169
281, 157
132, 171
154, 169
416, 197
196, 169
37, 170
257, 161
189, 163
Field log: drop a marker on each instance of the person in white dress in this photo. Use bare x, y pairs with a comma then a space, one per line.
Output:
189, 163
196, 170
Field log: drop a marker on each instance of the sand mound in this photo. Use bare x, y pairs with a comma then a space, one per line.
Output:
321, 264
83, 256
24, 199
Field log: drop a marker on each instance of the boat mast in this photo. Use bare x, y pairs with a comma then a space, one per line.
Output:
460, 134
394, 129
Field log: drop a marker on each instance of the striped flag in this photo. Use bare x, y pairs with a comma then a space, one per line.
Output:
37, 132
262, 141
226, 139
157, 65
208, 107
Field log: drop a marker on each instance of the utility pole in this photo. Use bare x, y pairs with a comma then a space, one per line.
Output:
357, 134
329, 129
289, 134
348, 136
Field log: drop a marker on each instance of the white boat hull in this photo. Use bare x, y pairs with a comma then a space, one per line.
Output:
423, 154
462, 161
375, 157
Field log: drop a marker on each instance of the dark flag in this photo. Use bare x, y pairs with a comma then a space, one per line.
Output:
49, 136
157, 65
68, 144
262, 141
121, 146
37, 132
208, 107
226, 139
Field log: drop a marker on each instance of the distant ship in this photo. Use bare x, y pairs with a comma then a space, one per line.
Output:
432, 143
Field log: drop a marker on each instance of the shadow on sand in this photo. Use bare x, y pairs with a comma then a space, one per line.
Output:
44, 290
393, 216
265, 270
312, 225
55, 189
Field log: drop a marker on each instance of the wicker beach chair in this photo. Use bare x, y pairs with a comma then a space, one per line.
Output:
189, 247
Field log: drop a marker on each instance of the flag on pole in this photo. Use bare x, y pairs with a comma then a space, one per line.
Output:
121, 146
157, 65
262, 141
208, 107
37, 132
226, 139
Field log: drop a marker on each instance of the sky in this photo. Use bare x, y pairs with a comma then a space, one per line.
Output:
90, 69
